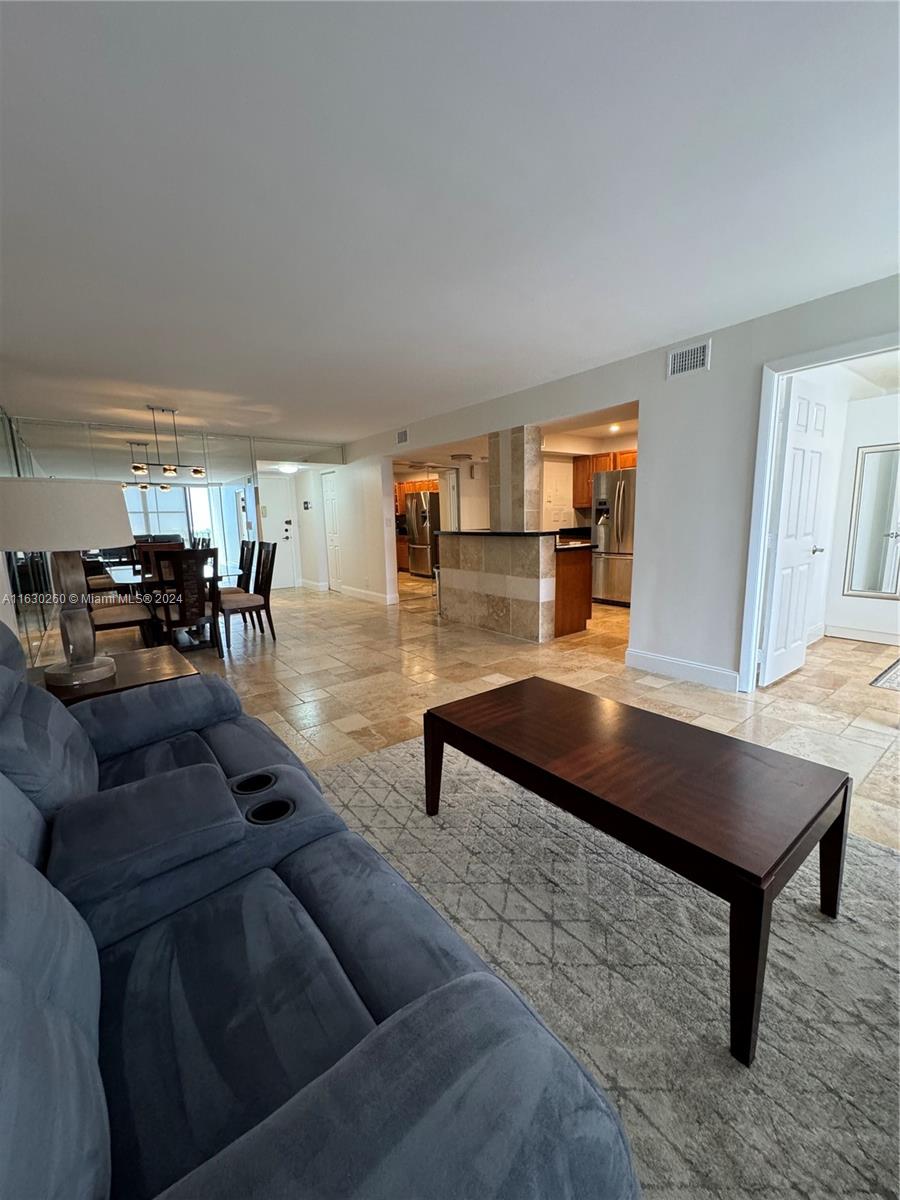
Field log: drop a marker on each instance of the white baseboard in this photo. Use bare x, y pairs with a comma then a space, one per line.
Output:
815, 632
371, 597
683, 668
862, 635
317, 585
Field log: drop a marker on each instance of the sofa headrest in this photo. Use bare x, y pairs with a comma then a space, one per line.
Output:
43, 749
21, 824
12, 656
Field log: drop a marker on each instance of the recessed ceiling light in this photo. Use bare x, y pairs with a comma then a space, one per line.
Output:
614, 428
288, 468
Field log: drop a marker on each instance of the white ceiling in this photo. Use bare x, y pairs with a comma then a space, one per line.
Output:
327, 220
882, 371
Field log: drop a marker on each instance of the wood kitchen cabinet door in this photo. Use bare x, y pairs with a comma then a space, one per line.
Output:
581, 481
626, 459
603, 462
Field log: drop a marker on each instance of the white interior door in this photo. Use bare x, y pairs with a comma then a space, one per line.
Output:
278, 518
332, 533
798, 551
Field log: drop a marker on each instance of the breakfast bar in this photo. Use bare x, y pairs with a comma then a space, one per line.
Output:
529, 584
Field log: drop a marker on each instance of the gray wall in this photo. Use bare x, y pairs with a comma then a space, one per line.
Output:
695, 471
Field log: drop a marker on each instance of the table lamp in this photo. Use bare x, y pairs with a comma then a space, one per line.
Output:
66, 517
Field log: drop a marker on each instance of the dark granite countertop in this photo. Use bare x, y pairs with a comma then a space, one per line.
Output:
496, 532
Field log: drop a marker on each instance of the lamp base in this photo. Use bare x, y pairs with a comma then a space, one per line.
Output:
65, 674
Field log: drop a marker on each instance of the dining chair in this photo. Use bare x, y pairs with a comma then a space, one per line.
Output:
245, 567
256, 602
188, 589
147, 556
109, 610
96, 576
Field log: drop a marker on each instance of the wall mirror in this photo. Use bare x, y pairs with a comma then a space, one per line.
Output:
873, 553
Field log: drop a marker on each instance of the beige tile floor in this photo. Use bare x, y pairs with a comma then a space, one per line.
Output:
346, 677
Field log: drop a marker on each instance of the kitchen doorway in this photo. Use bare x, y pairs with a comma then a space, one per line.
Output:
825, 492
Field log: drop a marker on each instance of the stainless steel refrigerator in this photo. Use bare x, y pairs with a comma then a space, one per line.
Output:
614, 535
423, 520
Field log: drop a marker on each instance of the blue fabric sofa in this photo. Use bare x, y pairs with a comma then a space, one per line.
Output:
199, 1002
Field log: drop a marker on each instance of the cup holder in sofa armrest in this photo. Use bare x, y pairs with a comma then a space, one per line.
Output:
249, 785
268, 812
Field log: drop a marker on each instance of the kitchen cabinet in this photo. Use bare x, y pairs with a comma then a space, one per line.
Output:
581, 481
402, 552
404, 487
586, 466
603, 462
573, 590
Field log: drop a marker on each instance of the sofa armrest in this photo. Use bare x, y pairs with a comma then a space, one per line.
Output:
462, 1093
128, 720
113, 840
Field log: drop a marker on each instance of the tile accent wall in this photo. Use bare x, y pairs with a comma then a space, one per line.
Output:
505, 584
514, 478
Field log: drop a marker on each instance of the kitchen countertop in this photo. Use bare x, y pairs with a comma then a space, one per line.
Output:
496, 532
575, 546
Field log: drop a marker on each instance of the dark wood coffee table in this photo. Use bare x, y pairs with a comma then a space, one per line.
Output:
134, 668
733, 817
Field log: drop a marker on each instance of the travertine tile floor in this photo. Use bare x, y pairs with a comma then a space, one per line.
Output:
345, 677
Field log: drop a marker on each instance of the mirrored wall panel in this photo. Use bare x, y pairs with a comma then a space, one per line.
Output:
873, 553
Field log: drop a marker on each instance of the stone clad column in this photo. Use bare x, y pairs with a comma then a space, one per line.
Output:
514, 478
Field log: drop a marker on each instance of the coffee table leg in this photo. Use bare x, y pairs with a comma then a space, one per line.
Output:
751, 914
434, 761
831, 859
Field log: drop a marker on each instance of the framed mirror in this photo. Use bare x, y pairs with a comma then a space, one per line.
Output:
873, 552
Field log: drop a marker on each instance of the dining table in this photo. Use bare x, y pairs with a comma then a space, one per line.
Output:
131, 577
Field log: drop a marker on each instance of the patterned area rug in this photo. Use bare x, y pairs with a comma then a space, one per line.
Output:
628, 964
889, 678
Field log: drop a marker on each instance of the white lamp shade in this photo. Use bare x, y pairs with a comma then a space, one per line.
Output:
62, 514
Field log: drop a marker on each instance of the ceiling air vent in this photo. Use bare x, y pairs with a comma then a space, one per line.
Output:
689, 358
402, 437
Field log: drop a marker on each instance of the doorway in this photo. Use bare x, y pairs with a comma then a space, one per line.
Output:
816, 412
278, 513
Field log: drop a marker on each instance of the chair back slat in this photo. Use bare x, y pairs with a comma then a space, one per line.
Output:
182, 576
248, 549
265, 565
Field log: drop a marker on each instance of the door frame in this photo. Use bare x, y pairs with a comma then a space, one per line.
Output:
767, 481
333, 584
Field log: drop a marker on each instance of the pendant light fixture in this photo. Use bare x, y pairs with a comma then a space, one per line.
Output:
141, 463
138, 464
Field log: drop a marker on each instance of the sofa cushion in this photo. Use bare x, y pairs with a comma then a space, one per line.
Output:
45, 942
12, 656
248, 744
155, 712
113, 840
54, 1135
211, 1019
43, 749
390, 941
184, 750
462, 1095
21, 824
